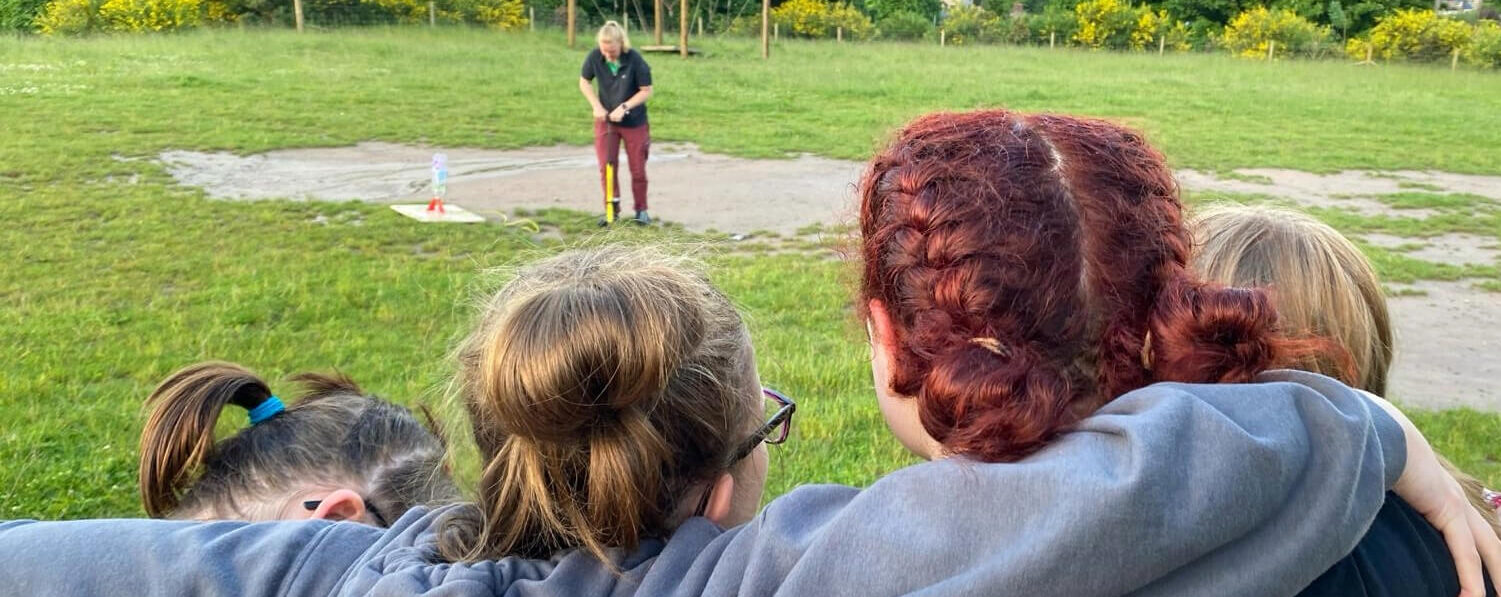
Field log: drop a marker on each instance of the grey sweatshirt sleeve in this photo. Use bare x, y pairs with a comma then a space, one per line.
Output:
137, 557
1170, 490
1175, 489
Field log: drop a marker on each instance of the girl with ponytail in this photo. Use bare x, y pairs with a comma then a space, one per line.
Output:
334, 453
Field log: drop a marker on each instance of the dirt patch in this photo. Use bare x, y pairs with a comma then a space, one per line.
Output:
1449, 352
1452, 249
1350, 189
1448, 347
1345, 191
699, 190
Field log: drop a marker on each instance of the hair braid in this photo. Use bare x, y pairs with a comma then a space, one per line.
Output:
1027, 263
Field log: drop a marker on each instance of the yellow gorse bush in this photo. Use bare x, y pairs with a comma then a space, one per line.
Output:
1485, 46
819, 19
1154, 28
150, 15
1413, 35
81, 16
506, 15
1251, 34
65, 17
1115, 24
971, 24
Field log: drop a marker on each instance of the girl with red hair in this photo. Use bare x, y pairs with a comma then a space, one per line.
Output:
1021, 271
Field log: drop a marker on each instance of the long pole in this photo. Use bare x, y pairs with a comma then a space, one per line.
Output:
570, 22
657, 25
765, 29
682, 28
297, 12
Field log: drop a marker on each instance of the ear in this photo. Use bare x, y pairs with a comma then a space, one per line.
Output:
341, 504
901, 412
721, 496
882, 342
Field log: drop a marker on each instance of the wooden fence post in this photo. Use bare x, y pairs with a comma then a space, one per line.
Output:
765, 29
657, 21
432, 13
297, 13
683, 28
839, 34
571, 32
531, 18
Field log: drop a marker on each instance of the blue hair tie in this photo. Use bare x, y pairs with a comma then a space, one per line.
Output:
265, 410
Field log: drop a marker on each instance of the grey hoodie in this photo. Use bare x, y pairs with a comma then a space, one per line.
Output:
1174, 489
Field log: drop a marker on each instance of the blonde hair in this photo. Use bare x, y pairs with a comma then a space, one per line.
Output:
1323, 286
612, 31
602, 384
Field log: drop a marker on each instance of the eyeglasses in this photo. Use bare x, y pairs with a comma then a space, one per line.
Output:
776, 428
774, 431
311, 505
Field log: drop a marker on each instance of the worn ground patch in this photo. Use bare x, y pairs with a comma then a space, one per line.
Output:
1449, 354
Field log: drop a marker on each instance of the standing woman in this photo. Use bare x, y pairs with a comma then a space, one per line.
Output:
619, 111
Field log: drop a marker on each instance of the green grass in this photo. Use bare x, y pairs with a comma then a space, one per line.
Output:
1466, 437
1461, 203
1420, 186
115, 276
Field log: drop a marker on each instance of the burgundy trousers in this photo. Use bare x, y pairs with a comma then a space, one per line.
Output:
607, 138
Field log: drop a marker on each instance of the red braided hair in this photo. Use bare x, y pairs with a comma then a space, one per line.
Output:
1023, 260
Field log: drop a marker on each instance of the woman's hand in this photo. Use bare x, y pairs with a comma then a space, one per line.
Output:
619, 113
1438, 497
599, 112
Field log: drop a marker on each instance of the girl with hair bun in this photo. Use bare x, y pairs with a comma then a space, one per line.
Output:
613, 395
334, 453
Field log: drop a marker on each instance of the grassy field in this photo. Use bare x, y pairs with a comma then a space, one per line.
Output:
115, 276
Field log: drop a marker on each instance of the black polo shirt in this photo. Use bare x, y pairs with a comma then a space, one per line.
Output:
615, 88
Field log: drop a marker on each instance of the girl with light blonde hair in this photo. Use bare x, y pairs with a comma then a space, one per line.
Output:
619, 105
1324, 287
